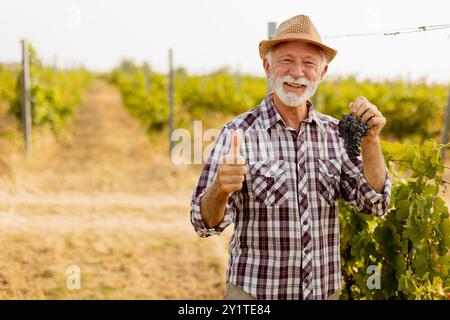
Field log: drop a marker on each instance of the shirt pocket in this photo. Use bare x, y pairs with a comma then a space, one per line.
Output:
269, 182
328, 180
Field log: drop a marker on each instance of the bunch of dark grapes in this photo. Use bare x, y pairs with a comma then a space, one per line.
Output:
352, 130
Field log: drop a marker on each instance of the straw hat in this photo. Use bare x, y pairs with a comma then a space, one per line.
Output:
296, 28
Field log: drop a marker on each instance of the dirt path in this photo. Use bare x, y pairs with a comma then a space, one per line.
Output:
109, 201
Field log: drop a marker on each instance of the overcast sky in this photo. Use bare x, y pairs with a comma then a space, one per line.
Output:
206, 35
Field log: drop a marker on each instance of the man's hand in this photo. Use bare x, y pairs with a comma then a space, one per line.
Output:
229, 179
374, 167
231, 172
362, 108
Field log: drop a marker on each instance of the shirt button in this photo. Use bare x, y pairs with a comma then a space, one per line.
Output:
305, 222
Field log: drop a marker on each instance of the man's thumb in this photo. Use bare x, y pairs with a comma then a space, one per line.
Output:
235, 143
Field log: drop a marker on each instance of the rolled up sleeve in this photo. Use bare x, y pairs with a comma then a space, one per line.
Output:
356, 191
207, 176
199, 225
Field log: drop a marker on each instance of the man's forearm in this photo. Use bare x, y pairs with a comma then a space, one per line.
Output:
213, 204
374, 167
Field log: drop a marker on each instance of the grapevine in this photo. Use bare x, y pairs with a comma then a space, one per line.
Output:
54, 94
410, 244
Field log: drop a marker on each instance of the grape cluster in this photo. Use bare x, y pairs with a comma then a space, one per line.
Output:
352, 131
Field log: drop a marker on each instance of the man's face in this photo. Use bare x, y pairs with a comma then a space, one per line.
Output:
295, 71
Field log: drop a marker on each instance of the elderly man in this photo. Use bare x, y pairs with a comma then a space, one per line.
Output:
277, 171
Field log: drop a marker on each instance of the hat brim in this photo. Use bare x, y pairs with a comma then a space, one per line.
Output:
266, 45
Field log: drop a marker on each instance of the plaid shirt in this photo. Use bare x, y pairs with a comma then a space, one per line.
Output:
285, 243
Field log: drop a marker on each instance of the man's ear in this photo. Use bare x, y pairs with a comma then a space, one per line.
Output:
324, 71
266, 67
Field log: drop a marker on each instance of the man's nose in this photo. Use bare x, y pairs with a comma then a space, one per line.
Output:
297, 71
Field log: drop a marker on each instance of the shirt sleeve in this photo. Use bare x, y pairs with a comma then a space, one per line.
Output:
220, 148
356, 191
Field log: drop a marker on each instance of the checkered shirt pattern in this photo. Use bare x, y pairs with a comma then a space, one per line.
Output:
285, 243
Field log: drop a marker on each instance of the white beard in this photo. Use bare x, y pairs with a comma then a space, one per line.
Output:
292, 99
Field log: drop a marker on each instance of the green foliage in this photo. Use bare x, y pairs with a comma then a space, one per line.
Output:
411, 109
53, 94
411, 242
144, 93
222, 92
7, 83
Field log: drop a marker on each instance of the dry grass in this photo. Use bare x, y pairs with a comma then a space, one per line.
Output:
107, 199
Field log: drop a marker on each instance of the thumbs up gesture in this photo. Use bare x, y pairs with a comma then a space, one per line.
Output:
232, 170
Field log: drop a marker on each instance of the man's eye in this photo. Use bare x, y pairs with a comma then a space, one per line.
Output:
286, 61
309, 63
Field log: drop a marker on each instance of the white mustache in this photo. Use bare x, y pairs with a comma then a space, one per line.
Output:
301, 81
293, 99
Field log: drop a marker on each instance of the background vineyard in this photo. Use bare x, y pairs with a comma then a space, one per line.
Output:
410, 244
54, 94
415, 110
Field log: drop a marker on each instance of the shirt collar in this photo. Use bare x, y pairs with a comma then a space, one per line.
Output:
271, 116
